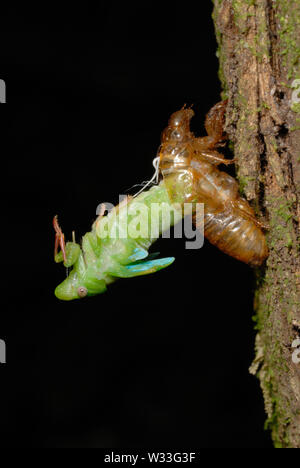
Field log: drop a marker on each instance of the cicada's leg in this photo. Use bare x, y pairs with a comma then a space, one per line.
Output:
59, 239
214, 157
215, 120
214, 125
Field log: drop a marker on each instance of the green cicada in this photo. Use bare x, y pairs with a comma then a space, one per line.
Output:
117, 246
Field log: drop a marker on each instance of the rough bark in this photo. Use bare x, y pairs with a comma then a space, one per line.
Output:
259, 52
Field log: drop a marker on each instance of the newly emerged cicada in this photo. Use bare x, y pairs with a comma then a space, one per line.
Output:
189, 166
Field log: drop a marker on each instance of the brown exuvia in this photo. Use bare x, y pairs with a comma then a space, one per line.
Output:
189, 165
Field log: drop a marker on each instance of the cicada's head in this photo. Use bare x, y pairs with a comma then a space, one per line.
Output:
178, 129
76, 286
71, 288
83, 279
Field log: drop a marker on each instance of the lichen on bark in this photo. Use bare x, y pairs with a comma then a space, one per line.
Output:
259, 53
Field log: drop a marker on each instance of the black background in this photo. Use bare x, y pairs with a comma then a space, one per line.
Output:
157, 361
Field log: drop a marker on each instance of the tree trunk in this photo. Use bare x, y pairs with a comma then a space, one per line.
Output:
259, 51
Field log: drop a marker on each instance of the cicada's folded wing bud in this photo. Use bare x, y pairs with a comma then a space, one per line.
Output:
142, 268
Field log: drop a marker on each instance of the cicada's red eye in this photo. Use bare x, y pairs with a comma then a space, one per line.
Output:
82, 291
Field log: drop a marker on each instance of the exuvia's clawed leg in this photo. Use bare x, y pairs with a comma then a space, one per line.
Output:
59, 239
204, 143
215, 120
214, 125
248, 212
262, 225
214, 157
